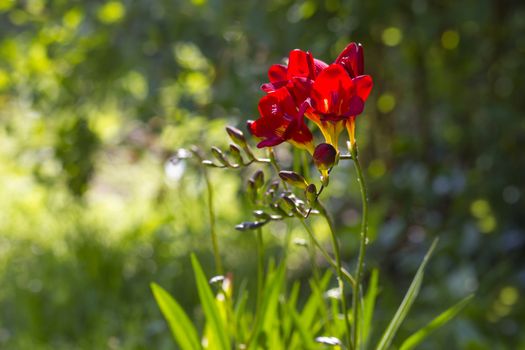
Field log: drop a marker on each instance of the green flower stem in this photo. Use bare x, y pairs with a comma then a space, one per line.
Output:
260, 269
340, 274
211, 213
325, 254
362, 244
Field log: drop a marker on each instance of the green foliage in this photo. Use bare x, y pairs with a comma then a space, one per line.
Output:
406, 304
217, 335
96, 96
416, 338
181, 327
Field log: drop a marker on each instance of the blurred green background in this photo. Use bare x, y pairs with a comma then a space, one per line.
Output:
96, 96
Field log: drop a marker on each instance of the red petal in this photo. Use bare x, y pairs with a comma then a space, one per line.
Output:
277, 110
300, 64
277, 73
300, 89
351, 58
319, 66
363, 86
297, 130
332, 91
271, 87
270, 142
355, 106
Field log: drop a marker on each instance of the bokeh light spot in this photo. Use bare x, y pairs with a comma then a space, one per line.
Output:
450, 39
509, 295
6, 5
72, 18
376, 168
111, 12
4, 79
386, 103
392, 36
480, 208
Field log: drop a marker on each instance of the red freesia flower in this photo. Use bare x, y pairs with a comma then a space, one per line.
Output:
339, 93
297, 76
351, 58
281, 120
329, 95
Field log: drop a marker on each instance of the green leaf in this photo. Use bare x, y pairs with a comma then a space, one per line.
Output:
270, 302
210, 308
406, 304
369, 305
416, 338
304, 334
181, 327
240, 315
311, 307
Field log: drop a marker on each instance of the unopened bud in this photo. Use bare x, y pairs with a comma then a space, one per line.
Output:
249, 225
330, 341
236, 154
216, 279
325, 157
217, 153
258, 179
277, 208
259, 214
288, 203
311, 194
236, 135
293, 178
251, 191
300, 242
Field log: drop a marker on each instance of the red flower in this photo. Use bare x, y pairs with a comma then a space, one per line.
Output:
351, 58
335, 96
329, 95
281, 120
338, 94
297, 76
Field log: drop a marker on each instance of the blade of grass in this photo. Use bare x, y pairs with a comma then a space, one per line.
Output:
406, 304
310, 309
209, 306
369, 305
305, 335
416, 338
181, 327
269, 304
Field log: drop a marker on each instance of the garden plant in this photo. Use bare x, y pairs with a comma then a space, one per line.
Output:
331, 97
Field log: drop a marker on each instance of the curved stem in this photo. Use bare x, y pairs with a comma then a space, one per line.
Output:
362, 244
260, 269
327, 256
211, 213
340, 274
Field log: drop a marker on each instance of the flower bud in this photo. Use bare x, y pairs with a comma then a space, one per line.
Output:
251, 191
258, 179
288, 203
217, 153
277, 208
325, 157
249, 225
293, 178
216, 279
236, 154
236, 136
259, 214
330, 341
311, 194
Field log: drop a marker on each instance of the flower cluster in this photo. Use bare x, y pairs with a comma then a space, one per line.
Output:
330, 95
